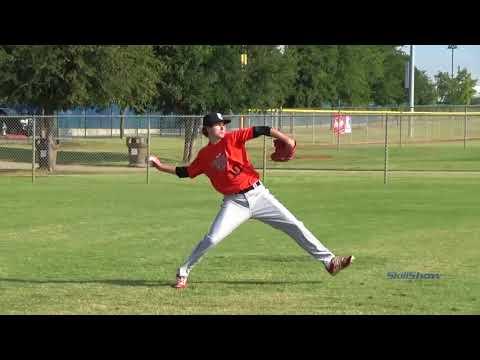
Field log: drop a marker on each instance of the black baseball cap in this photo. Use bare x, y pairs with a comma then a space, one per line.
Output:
214, 118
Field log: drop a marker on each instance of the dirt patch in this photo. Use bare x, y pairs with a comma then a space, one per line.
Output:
314, 157
16, 167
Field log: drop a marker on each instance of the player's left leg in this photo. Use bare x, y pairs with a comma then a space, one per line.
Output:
270, 211
233, 212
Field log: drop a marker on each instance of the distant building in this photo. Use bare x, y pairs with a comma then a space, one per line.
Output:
477, 89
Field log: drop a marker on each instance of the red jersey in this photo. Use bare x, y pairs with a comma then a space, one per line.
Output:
226, 163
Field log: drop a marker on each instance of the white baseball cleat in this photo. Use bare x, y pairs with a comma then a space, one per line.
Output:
181, 282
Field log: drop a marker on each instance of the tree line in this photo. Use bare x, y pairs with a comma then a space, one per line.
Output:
198, 78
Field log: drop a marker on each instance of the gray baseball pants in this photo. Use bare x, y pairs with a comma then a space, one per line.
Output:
258, 204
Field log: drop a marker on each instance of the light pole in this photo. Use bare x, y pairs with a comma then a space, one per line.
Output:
243, 57
243, 62
453, 47
411, 84
412, 78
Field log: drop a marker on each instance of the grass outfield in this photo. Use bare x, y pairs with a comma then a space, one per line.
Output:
103, 244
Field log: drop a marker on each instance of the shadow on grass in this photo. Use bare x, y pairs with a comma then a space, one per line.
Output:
153, 283
258, 282
120, 282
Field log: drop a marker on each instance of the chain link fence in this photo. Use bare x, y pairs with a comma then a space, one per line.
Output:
369, 140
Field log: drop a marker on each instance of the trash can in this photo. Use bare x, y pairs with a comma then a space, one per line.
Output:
46, 153
137, 151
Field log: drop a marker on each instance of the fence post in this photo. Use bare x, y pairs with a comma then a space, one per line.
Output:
338, 133
465, 129
351, 127
313, 129
33, 149
111, 122
264, 150
148, 149
85, 121
57, 135
366, 129
201, 133
386, 150
400, 129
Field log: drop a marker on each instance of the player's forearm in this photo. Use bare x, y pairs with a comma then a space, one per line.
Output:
167, 168
281, 136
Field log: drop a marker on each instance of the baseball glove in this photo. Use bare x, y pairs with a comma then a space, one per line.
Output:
283, 151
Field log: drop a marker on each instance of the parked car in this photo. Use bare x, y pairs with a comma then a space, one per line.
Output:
12, 124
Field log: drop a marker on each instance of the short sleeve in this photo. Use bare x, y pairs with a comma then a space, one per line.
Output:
242, 135
195, 168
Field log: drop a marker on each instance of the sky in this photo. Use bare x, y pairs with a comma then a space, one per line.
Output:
435, 58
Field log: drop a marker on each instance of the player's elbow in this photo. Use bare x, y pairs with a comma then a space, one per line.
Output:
181, 172
261, 130
212, 240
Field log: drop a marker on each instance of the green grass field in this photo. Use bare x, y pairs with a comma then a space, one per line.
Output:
109, 244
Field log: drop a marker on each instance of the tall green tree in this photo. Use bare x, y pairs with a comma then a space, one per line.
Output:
353, 78
389, 87
54, 78
270, 74
187, 85
455, 91
187, 79
228, 87
315, 83
130, 76
425, 93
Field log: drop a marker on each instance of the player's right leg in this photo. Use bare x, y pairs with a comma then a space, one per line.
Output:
270, 211
234, 212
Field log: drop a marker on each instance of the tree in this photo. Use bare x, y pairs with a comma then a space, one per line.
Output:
425, 93
131, 74
353, 79
228, 88
54, 78
186, 85
388, 88
269, 76
200, 78
314, 82
455, 91
187, 78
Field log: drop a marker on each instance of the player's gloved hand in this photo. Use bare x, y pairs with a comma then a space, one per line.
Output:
284, 151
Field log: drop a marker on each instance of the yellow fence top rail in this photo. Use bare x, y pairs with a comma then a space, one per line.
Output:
380, 112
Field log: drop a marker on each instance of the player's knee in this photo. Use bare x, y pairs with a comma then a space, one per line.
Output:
296, 224
211, 239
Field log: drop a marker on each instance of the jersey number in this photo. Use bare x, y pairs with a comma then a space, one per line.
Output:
236, 170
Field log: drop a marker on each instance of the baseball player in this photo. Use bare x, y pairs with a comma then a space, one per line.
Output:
225, 162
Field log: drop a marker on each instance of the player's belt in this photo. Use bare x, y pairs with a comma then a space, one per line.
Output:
258, 183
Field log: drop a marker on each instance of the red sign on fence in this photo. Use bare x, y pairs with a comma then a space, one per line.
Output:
341, 124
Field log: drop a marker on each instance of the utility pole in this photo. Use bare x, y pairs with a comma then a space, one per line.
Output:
411, 78
243, 63
453, 47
